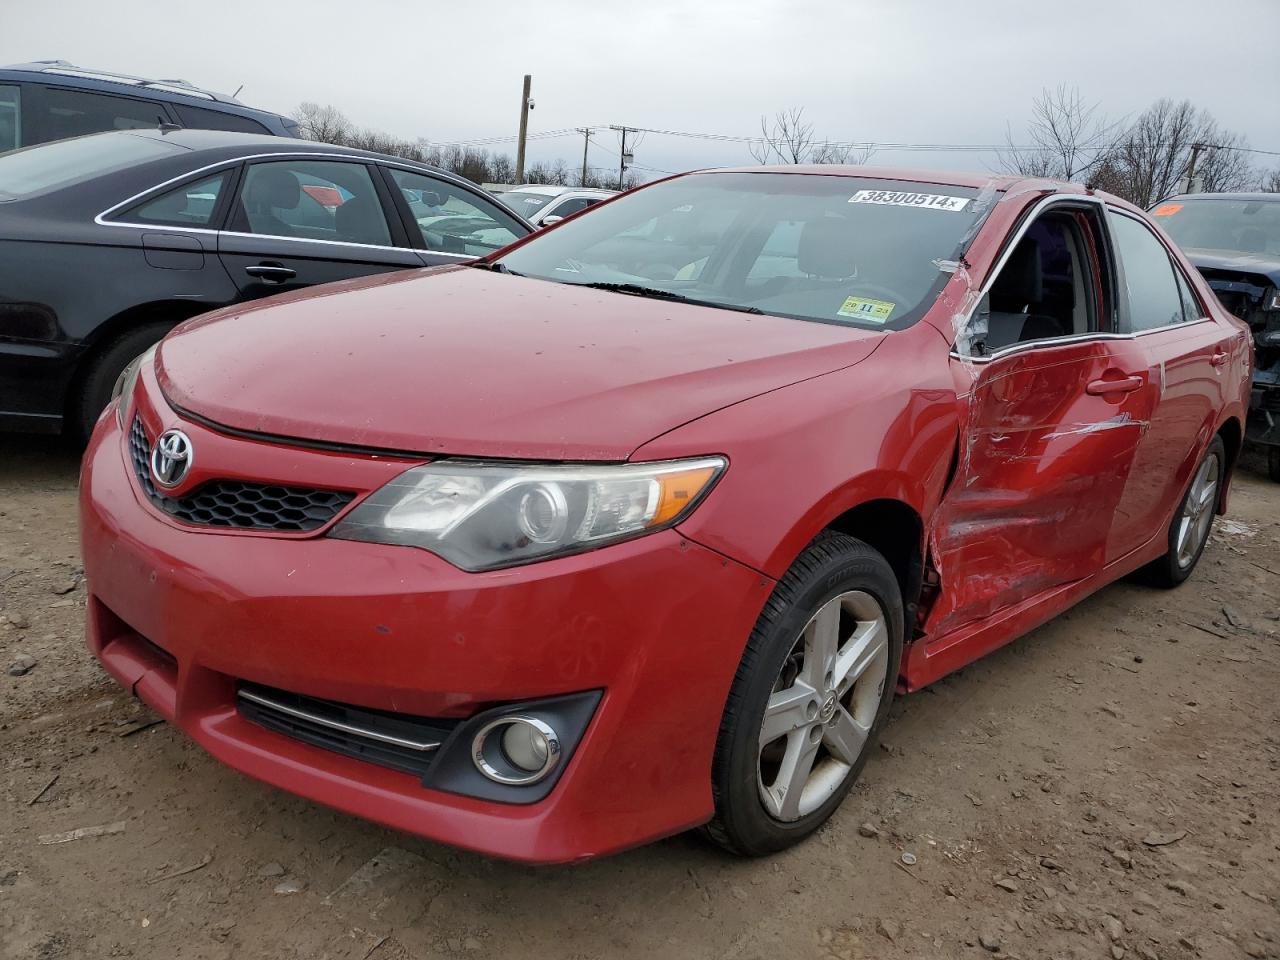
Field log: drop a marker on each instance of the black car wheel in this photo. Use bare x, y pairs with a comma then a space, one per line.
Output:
105, 369
810, 697
1273, 463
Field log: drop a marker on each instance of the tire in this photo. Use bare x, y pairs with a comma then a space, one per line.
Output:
1273, 463
846, 581
1181, 557
105, 369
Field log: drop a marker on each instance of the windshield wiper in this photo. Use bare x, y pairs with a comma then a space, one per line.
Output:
637, 290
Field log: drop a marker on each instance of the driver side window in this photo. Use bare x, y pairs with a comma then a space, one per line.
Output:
1045, 290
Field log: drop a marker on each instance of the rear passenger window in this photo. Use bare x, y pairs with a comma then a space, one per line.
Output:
190, 205
1190, 305
10, 118
312, 200
1149, 278
202, 119
73, 113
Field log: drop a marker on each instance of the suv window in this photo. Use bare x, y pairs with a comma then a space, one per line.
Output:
1043, 291
203, 119
73, 113
1154, 298
451, 219
312, 200
10, 118
190, 205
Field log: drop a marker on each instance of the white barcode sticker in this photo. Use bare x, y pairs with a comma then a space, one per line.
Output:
902, 198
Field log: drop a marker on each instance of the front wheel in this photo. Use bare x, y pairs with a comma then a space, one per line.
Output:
810, 696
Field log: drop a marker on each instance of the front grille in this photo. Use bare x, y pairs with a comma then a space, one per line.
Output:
378, 736
237, 503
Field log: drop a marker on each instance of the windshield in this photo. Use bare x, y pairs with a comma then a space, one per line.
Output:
1241, 226
49, 165
848, 250
525, 204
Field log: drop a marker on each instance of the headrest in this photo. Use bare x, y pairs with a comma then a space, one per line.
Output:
827, 249
1021, 280
274, 187
360, 221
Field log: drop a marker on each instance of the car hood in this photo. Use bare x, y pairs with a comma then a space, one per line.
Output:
1259, 263
470, 362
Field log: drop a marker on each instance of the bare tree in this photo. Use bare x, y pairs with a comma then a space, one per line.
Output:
1270, 182
1154, 154
788, 138
1068, 137
828, 152
327, 124
324, 124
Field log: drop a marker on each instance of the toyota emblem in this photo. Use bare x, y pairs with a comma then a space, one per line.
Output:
171, 458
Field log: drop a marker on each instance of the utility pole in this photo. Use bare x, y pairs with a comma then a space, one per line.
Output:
624, 158
1191, 166
586, 142
524, 128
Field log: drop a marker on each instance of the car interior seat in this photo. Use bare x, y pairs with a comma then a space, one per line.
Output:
271, 189
1015, 299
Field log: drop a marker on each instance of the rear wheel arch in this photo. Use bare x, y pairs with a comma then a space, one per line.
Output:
1232, 434
157, 314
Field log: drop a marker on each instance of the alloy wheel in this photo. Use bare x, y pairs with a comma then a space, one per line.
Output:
823, 705
1197, 511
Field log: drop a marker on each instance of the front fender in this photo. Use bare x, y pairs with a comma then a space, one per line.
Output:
802, 455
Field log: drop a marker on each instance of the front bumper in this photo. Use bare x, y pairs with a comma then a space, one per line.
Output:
182, 615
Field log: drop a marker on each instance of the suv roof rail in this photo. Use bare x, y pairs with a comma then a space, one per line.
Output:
65, 68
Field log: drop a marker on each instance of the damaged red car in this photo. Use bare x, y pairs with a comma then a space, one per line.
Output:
639, 524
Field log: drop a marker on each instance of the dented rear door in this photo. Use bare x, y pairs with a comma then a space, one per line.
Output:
1048, 437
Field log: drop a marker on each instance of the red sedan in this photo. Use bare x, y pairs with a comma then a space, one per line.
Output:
640, 524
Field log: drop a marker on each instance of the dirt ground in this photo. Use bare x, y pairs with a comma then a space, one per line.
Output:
1104, 787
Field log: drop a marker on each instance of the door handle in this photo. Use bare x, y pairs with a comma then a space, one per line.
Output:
1099, 388
271, 272
1219, 358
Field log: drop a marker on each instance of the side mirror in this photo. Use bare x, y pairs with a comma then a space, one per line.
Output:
549, 220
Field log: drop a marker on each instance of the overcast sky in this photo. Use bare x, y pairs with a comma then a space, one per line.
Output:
901, 71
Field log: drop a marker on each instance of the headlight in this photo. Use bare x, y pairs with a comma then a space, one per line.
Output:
128, 379
480, 516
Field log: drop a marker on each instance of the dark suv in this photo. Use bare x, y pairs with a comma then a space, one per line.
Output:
54, 99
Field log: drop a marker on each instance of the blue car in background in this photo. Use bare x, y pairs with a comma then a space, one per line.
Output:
53, 99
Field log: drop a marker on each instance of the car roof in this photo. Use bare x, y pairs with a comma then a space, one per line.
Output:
540, 189
1268, 197
950, 177
232, 144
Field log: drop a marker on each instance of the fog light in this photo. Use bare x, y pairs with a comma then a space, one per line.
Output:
516, 750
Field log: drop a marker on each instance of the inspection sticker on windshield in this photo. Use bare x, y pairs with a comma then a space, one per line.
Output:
902, 198
860, 308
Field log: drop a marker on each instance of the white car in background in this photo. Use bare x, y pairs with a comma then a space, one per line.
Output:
543, 206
